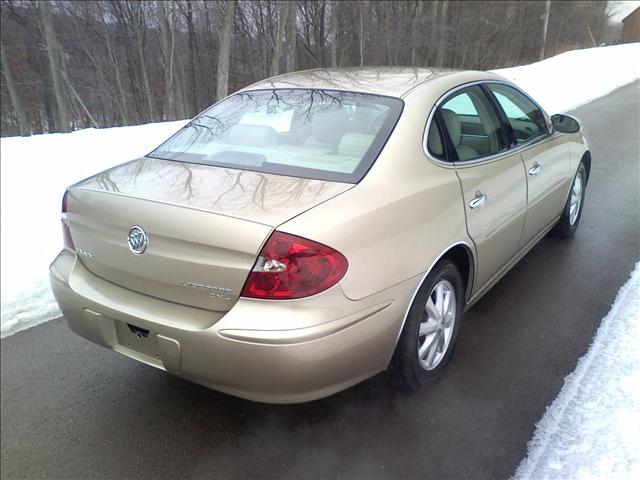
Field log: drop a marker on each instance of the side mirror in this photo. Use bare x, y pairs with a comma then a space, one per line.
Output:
565, 123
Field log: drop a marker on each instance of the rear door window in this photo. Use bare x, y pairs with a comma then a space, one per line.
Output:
472, 125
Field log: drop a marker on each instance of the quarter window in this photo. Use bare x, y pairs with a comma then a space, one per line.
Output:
472, 125
434, 142
526, 119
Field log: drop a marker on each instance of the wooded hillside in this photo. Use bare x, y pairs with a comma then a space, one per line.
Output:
74, 64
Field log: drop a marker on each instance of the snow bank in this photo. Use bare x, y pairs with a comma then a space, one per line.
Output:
36, 170
592, 429
34, 173
571, 79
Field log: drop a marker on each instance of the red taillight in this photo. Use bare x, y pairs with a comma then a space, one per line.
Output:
66, 233
293, 267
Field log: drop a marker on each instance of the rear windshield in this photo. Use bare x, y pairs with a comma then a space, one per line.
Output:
318, 134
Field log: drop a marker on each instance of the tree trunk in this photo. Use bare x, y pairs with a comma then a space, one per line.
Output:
74, 92
544, 29
319, 33
23, 124
277, 47
334, 33
443, 38
361, 33
193, 47
433, 38
122, 98
416, 34
168, 47
139, 28
53, 53
100, 79
388, 35
225, 50
145, 79
292, 35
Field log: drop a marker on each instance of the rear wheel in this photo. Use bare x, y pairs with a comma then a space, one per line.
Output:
430, 331
572, 213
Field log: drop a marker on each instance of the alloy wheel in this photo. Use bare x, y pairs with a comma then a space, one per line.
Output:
576, 199
436, 327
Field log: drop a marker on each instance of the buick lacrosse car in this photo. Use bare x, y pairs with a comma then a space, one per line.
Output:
317, 228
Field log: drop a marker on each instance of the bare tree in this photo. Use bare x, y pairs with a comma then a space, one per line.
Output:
193, 49
71, 64
292, 37
53, 51
168, 43
23, 124
137, 19
545, 28
225, 49
334, 33
277, 46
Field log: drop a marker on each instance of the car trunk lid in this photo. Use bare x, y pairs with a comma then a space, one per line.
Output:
204, 226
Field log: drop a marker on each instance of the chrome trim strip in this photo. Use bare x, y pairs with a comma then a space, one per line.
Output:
501, 155
472, 275
490, 158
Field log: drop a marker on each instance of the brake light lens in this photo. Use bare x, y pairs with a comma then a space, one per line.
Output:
293, 267
66, 233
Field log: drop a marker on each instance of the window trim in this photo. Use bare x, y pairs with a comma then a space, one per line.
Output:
491, 158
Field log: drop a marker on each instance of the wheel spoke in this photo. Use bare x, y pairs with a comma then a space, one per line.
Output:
440, 299
422, 349
446, 302
448, 320
428, 327
431, 309
574, 198
432, 349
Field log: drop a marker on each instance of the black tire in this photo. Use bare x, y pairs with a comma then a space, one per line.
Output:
565, 228
406, 370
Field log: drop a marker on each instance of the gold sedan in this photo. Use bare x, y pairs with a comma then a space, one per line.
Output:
317, 228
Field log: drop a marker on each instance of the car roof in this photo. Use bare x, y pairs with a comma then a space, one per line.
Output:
390, 81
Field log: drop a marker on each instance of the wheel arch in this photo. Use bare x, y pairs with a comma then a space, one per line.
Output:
586, 159
461, 254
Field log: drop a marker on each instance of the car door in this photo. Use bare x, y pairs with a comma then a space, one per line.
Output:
545, 156
492, 179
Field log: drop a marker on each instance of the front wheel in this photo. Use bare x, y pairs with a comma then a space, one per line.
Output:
430, 331
572, 213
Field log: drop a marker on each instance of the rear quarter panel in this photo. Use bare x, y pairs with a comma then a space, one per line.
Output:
401, 217
578, 145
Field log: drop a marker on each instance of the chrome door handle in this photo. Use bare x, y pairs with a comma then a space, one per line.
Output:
535, 169
478, 200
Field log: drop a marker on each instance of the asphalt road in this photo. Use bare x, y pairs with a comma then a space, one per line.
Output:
73, 409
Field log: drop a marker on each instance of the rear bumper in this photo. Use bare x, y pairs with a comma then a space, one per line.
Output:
328, 344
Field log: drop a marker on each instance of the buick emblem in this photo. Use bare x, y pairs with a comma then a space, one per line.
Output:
137, 240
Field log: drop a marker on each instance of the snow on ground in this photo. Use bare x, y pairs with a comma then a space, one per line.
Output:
592, 429
574, 78
36, 170
34, 174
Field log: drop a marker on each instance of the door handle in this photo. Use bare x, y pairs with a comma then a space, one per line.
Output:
478, 200
535, 169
